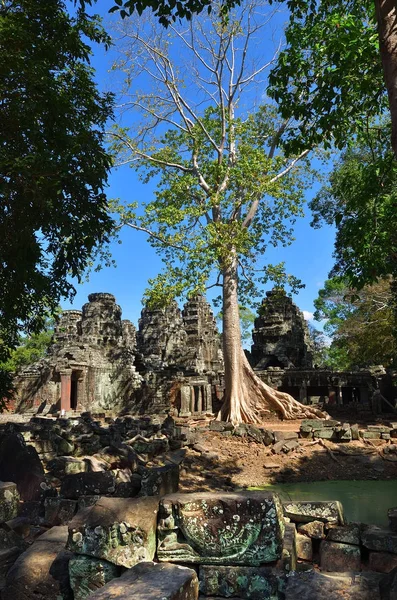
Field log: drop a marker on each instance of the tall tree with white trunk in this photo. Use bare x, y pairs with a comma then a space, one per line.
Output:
225, 190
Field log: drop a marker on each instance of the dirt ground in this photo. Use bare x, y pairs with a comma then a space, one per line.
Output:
217, 462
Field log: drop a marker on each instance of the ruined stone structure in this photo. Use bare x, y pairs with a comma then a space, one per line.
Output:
99, 362
281, 337
173, 362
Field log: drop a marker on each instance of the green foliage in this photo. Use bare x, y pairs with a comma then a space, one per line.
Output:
247, 319
359, 323
360, 199
53, 163
168, 11
329, 76
30, 348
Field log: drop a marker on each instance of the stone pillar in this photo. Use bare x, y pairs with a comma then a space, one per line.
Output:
208, 398
66, 385
303, 393
185, 401
199, 398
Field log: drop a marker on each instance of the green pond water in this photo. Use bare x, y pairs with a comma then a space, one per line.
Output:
364, 501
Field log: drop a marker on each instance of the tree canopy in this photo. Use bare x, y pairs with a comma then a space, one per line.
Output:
359, 324
53, 165
225, 191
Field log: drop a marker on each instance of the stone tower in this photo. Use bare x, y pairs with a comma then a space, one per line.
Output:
281, 336
203, 346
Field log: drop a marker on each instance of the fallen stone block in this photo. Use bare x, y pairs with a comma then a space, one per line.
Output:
41, 573
9, 501
88, 575
152, 581
314, 530
285, 435
7, 559
304, 512
267, 437
348, 534
288, 560
382, 562
392, 514
290, 445
325, 434
251, 583
119, 530
319, 423
311, 585
244, 528
370, 435
278, 447
355, 431
66, 465
336, 557
21, 464
59, 511
160, 481
304, 547
388, 586
88, 484
381, 540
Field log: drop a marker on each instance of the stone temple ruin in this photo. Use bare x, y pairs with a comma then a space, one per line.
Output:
173, 362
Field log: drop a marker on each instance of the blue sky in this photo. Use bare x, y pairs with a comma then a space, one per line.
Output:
308, 258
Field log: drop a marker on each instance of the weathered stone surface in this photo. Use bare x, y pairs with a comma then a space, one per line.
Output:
314, 530
348, 534
392, 514
388, 586
41, 573
9, 501
280, 336
312, 585
119, 530
382, 562
159, 481
151, 581
304, 547
7, 559
336, 557
243, 528
88, 484
89, 574
304, 512
66, 465
21, 464
252, 583
288, 558
59, 511
381, 540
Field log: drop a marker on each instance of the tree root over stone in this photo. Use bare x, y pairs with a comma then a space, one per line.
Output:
248, 398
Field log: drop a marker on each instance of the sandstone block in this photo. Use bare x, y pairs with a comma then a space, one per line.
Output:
388, 586
66, 465
325, 434
382, 562
336, 557
159, 481
288, 560
41, 573
119, 530
251, 583
319, 423
392, 514
312, 585
304, 547
348, 534
89, 574
304, 512
9, 501
370, 435
381, 540
314, 530
151, 581
88, 484
355, 431
21, 464
243, 528
59, 511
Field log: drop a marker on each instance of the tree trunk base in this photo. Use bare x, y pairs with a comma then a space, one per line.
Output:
250, 398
